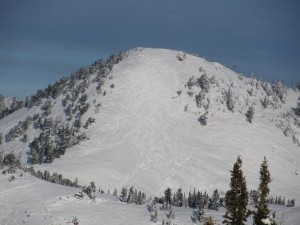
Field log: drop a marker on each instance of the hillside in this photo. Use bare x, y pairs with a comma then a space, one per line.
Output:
146, 130
31, 201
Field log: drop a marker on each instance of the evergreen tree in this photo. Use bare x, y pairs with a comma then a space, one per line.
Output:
297, 109
168, 198
153, 211
237, 197
266, 102
178, 200
171, 214
90, 190
261, 207
215, 201
204, 82
130, 199
229, 100
123, 195
199, 212
115, 193
254, 196
250, 114
203, 119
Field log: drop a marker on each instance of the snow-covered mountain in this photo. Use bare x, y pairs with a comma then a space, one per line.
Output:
157, 118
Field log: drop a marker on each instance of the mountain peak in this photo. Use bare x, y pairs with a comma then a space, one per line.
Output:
157, 118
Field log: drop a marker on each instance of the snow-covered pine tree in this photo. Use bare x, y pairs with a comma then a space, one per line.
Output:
178, 201
203, 82
261, 207
168, 198
214, 201
297, 109
229, 100
191, 82
266, 102
123, 195
250, 114
237, 197
171, 214
203, 119
198, 214
153, 216
130, 198
144, 197
200, 99
254, 196
115, 193
279, 90
135, 196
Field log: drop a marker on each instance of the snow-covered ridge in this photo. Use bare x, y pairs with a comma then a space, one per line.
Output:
147, 131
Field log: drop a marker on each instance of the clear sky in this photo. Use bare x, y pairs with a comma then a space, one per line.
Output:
40, 40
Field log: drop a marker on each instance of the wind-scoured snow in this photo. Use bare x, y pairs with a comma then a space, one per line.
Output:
148, 135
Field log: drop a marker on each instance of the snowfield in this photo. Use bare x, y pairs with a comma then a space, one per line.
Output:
28, 200
147, 134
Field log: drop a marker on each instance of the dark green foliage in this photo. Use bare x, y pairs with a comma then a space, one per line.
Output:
89, 121
297, 109
123, 196
6, 109
250, 114
10, 160
237, 197
279, 90
229, 100
53, 141
167, 199
291, 203
75, 221
19, 129
47, 108
53, 178
261, 207
214, 202
90, 190
25, 138
199, 212
253, 196
203, 119
80, 77
266, 102
12, 178
203, 82
153, 216
131, 196
178, 199
1, 138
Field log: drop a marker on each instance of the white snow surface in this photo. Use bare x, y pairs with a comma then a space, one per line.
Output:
144, 137
28, 200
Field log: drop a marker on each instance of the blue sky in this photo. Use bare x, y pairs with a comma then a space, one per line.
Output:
40, 40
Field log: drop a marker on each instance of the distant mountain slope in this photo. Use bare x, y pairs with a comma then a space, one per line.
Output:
9, 105
140, 117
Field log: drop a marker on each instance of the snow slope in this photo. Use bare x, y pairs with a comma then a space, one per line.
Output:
144, 137
28, 200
